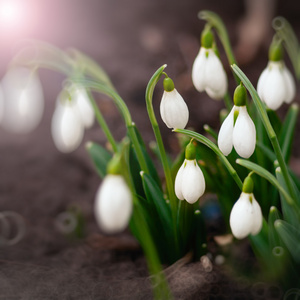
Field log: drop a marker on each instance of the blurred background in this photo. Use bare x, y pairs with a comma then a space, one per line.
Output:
130, 40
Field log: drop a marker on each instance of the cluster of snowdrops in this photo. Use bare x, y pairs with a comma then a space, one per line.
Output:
165, 215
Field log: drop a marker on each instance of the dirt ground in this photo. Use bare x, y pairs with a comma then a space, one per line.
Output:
130, 39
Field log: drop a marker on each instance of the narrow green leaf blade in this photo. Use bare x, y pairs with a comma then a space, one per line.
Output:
291, 238
100, 157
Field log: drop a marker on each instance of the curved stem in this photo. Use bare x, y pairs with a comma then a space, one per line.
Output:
169, 182
103, 124
202, 139
288, 36
267, 124
125, 114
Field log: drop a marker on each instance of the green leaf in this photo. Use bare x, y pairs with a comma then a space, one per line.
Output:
160, 286
149, 162
287, 131
260, 244
291, 238
274, 239
291, 210
155, 196
100, 157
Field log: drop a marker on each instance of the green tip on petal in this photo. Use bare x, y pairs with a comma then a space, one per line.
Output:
248, 185
240, 95
207, 38
168, 84
190, 150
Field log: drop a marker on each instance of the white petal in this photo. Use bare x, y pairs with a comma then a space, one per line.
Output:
174, 111
274, 91
244, 134
23, 100
290, 86
257, 219
66, 127
261, 82
84, 106
225, 133
198, 74
241, 217
193, 183
178, 182
113, 206
215, 77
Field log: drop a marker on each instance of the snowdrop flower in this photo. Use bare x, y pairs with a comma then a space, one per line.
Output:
246, 216
189, 181
23, 100
67, 128
113, 206
84, 106
173, 110
276, 84
242, 133
208, 73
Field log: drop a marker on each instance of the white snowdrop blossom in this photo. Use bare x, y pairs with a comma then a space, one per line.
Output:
173, 110
23, 101
113, 206
208, 74
276, 85
84, 106
189, 182
67, 128
241, 135
246, 216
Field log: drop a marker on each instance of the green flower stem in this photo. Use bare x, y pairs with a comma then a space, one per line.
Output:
88, 66
287, 35
215, 21
202, 139
125, 114
44, 55
169, 182
267, 175
271, 133
101, 121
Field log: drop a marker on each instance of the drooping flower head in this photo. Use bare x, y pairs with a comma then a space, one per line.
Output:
22, 102
276, 84
173, 110
189, 181
208, 73
246, 216
238, 129
113, 204
66, 127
